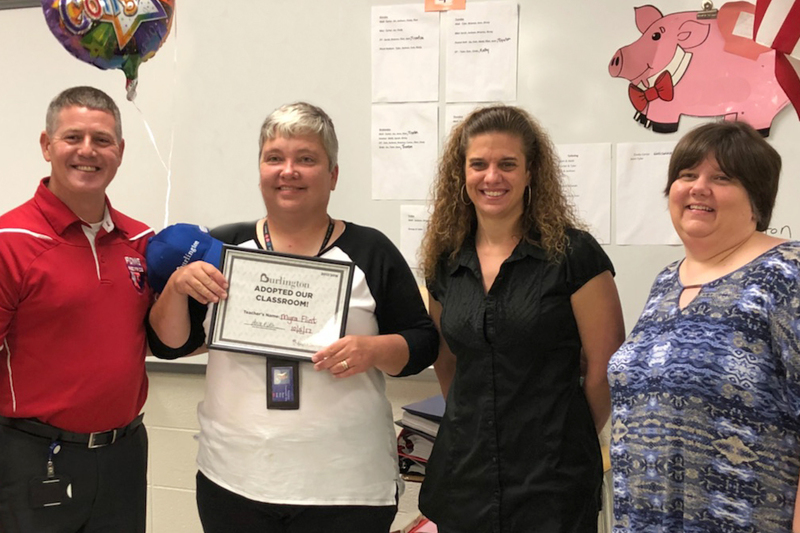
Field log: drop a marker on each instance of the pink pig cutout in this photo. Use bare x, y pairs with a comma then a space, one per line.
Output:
682, 65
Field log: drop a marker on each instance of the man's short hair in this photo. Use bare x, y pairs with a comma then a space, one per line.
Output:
83, 96
301, 118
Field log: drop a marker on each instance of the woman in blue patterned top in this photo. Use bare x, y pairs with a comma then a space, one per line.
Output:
706, 389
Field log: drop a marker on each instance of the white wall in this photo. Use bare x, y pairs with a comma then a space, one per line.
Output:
230, 63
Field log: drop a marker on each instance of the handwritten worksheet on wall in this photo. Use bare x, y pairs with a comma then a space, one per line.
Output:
413, 223
404, 150
481, 60
405, 54
586, 171
642, 214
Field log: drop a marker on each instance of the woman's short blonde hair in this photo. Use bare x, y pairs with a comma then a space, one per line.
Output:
301, 118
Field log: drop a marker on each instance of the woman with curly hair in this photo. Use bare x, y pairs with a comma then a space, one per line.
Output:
521, 296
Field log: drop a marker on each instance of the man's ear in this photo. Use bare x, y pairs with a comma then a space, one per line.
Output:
44, 143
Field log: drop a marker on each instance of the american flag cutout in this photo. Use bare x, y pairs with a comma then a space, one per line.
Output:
777, 25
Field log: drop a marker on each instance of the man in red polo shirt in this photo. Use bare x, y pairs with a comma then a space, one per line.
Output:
73, 301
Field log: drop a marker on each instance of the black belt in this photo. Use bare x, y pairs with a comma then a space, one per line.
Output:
97, 439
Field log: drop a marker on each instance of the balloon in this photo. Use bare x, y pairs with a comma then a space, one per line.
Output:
109, 34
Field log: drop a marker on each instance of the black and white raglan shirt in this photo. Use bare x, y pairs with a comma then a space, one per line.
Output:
339, 447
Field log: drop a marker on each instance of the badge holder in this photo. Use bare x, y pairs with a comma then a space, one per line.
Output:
52, 490
283, 383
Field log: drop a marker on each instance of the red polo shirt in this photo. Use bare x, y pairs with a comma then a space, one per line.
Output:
72, 337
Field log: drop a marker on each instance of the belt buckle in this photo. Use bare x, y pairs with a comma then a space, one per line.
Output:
92, 437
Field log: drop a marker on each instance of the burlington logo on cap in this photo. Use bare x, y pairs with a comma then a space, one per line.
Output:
176, 246
187, 257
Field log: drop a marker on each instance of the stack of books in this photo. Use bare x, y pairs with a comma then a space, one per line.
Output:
420, 423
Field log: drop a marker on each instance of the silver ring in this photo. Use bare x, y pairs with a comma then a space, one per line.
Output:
345, 365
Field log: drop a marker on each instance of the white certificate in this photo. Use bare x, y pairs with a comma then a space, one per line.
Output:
280, 304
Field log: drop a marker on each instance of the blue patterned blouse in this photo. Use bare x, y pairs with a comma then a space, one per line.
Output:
706, 404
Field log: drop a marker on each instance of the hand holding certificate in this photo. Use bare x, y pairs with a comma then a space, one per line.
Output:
280, 304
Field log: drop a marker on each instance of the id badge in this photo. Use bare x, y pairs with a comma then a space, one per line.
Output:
49, 491
283, 384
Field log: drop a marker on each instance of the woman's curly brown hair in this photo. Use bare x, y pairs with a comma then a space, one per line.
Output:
547, 216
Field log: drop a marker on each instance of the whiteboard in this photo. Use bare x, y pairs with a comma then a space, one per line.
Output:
228, 64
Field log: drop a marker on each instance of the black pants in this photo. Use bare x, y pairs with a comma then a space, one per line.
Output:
109, 485
222, 511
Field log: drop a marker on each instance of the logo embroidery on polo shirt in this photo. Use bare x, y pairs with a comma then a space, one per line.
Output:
137, 272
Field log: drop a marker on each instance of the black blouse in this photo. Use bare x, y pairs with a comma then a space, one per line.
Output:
517, 450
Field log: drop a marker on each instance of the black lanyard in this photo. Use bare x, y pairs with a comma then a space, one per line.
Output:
268, 239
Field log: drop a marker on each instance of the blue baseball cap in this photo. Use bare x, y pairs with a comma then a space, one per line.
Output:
176, 246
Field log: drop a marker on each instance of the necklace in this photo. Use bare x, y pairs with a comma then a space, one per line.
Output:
694, 286
328, 233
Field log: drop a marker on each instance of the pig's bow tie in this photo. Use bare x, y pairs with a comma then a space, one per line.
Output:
662, 89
